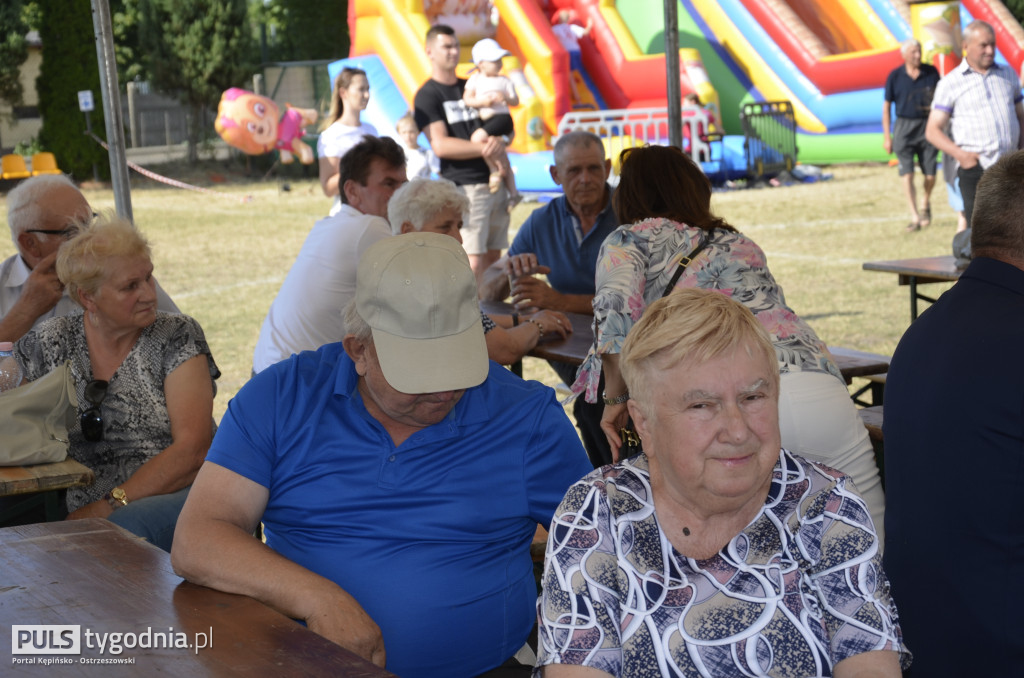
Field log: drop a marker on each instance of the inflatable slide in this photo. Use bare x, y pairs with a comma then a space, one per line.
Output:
829, 58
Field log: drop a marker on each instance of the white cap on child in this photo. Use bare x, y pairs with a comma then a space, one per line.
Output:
488, 49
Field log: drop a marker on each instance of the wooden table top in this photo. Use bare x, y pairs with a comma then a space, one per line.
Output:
853, 363
925, 269
94, 574
573, 349
43, 477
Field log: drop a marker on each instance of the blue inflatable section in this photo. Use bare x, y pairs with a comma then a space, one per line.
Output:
887, 12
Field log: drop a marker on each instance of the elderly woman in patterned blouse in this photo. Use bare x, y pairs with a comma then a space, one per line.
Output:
144, 381
714, 552
663, 202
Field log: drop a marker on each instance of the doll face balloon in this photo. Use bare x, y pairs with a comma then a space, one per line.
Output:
247, 121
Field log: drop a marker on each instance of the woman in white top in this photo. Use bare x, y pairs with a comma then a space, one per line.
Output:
342, 128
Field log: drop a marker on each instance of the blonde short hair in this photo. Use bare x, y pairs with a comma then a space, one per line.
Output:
689, 324
83, 261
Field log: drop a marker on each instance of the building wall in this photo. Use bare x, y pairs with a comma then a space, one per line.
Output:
27, 123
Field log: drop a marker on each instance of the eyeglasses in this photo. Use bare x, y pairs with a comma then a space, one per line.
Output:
68, 232
92, 419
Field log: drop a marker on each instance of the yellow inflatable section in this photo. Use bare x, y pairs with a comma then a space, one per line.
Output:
395, 30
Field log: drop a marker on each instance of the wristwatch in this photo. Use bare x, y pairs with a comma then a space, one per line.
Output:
617, 400
118, 498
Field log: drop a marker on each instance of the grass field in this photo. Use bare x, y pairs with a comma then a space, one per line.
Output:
222, 260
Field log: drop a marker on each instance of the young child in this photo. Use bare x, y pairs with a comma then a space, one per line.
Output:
419, 161
566, 26
492, 93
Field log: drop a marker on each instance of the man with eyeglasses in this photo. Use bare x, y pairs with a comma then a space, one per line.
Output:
42, 213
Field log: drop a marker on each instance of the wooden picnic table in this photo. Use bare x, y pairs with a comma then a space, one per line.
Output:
914, 272
573, 349
95, 575
852, 363
41, 481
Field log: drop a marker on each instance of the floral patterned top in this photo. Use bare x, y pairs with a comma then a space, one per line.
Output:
637, 263
136, 426
794, 593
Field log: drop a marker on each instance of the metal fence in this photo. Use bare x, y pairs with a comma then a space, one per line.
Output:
625, 128
769, 131
157, 120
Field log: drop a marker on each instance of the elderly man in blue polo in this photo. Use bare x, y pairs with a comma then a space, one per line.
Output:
399, 476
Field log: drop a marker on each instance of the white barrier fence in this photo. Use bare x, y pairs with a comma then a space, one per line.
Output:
628, 127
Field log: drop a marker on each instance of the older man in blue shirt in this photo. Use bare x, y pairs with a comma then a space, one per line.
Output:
399, 475
563, 240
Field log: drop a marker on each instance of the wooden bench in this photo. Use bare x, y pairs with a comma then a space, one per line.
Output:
861, 364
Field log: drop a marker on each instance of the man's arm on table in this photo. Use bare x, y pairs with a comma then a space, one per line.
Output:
41, 293
214, 546
530, 292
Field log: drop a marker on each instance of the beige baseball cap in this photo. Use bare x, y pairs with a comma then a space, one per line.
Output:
418, 294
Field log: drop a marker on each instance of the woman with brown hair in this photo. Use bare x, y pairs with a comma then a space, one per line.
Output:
670, 239
342, 129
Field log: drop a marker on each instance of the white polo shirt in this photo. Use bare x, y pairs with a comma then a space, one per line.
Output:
307, 312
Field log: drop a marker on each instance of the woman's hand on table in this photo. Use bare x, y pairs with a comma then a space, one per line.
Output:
552, 322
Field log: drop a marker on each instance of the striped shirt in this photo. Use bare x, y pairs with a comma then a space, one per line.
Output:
982, 109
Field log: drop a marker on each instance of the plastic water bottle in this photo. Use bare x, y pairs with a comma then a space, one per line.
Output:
10, 371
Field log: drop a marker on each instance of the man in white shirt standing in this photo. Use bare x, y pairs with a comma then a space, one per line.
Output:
307, 312
42, 213
982, 100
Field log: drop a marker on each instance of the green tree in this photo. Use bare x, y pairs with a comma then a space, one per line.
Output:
1016, 8
13, 52
299, 30
124, 19
195, 50
69, 65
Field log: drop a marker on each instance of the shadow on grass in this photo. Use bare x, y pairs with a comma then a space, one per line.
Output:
819, 316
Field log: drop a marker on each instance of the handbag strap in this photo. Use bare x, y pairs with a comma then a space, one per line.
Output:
686, 261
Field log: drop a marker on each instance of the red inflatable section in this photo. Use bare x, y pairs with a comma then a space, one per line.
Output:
1009, 35
863, 71
623, 82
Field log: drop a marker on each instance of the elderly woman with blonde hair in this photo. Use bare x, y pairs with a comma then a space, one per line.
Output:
144, 381
714, 552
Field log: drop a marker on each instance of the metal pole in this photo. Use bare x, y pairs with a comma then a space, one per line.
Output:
133, 114
675, 105
112, 107
88, 128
